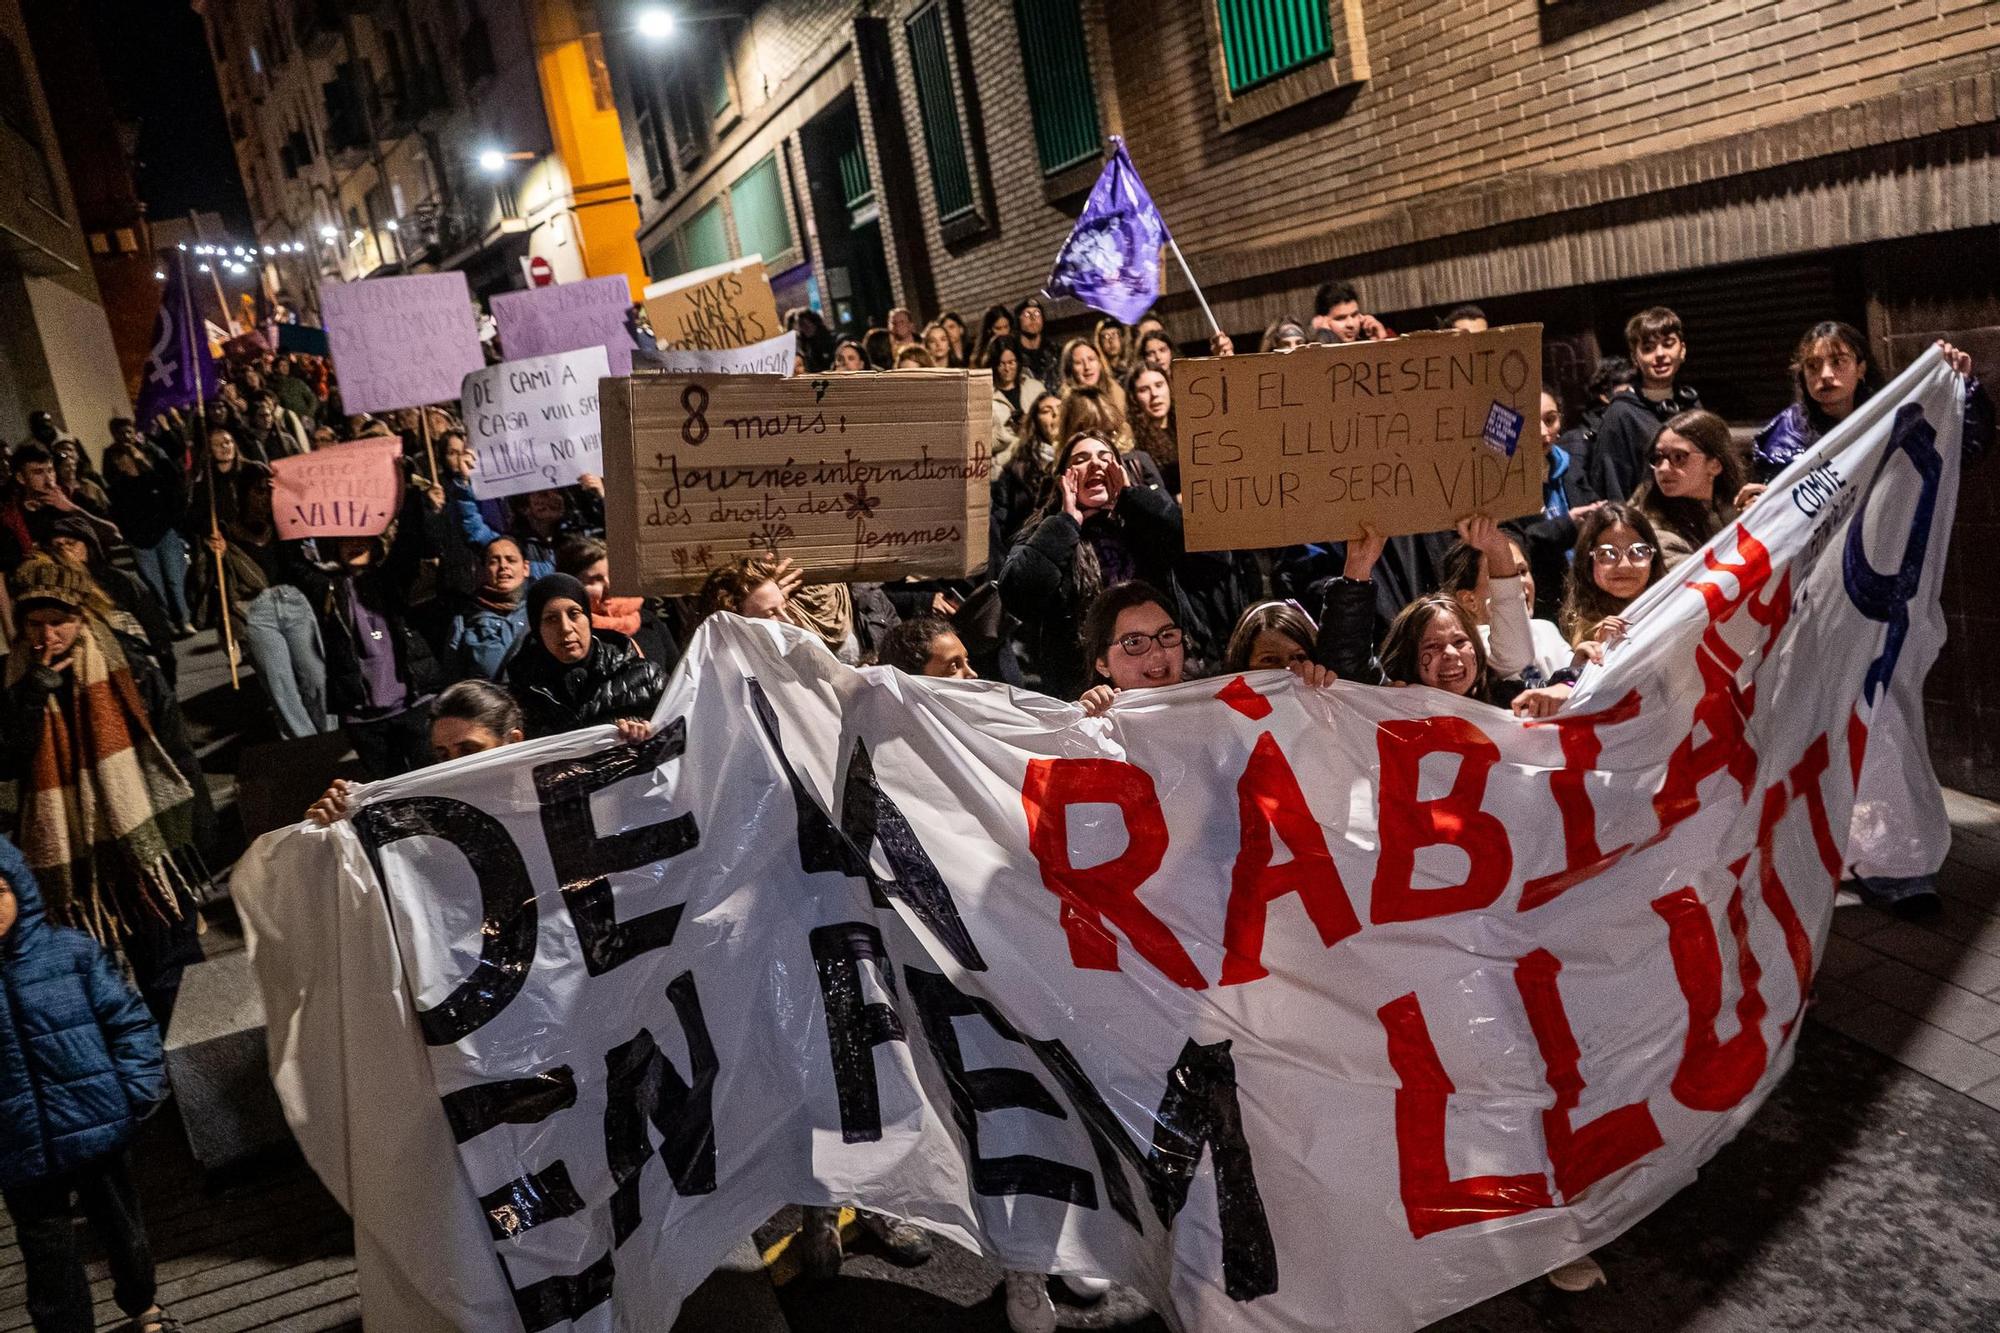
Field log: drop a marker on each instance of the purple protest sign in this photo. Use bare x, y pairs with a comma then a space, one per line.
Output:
567, 317
401, 342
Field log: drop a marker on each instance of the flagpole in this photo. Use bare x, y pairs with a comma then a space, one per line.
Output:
195, 353
1193, 286
215, 276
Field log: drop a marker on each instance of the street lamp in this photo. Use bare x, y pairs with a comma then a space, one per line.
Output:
655, 23
492, 161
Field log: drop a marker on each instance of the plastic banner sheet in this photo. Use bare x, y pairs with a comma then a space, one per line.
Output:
1295, 1009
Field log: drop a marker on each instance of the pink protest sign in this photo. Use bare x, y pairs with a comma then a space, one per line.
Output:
343, 490
568, 317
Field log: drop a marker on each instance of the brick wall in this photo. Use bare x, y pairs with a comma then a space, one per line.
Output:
1473, 118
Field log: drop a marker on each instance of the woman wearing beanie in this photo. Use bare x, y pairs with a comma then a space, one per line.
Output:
568, 674
106, 780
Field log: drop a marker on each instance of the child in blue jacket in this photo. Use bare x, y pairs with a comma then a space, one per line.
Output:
80, 1067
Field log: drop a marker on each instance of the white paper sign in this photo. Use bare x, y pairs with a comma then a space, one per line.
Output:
533, 422
567, 318
773, 356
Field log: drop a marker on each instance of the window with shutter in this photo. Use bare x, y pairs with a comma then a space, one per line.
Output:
944, 144
703, 239
1061, 97
1264, 39
758, 201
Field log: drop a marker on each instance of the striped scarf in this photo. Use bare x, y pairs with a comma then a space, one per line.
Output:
104, 811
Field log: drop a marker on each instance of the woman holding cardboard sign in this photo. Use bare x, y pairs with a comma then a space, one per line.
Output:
1100, 526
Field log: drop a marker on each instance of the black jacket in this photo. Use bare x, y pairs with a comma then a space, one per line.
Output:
1040, 588
1014, 496
1620, 455
147, 507
611, 682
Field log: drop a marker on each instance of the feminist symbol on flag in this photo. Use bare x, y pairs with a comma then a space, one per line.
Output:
161, 368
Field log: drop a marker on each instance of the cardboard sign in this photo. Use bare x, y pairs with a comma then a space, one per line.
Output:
853, 477
401, 342
343, 490
567, 318
1306, 446
728, 305
773, 356
533, 422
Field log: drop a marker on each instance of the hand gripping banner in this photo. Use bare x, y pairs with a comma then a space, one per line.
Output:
1294, 1009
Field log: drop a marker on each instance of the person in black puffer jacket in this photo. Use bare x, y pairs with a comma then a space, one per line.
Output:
1108, 520
568, 675
80, 1067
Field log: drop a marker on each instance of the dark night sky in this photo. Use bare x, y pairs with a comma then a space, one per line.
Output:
156, 63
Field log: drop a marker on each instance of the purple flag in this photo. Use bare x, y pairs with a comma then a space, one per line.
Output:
1111, 261
180, 353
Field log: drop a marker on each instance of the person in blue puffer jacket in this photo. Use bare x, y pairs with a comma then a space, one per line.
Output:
80, 1067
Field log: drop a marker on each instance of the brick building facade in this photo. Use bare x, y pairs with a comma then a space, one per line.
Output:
1757, 165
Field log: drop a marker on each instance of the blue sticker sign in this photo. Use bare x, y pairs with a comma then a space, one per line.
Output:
1503, 428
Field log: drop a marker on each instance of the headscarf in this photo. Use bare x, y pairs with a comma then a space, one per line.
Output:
549, 588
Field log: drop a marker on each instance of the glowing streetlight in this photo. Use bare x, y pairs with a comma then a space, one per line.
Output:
654, 22
492, 161
203, 268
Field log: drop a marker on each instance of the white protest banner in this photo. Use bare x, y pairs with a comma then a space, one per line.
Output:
1052, 987
567, 318
400, 342
533, 423
773, 356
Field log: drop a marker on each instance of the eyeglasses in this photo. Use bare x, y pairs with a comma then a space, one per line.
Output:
1673, 458
1638, 553
1138, 645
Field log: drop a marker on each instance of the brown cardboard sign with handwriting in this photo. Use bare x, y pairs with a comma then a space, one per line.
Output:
855, 477
728, 305
1409, 435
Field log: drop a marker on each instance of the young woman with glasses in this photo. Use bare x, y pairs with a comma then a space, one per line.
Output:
1697, 476
1133, 642
1106, 521
1617, 557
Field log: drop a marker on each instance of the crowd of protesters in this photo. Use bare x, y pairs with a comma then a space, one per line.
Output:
474, 623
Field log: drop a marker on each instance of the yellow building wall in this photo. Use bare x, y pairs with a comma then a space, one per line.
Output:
583, 120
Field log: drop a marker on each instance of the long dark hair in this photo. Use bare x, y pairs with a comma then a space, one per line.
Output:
1406, 635
991, 360
1833, 330
1025, 459
1584, 604
994, 314
1691, 520
1159, 440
